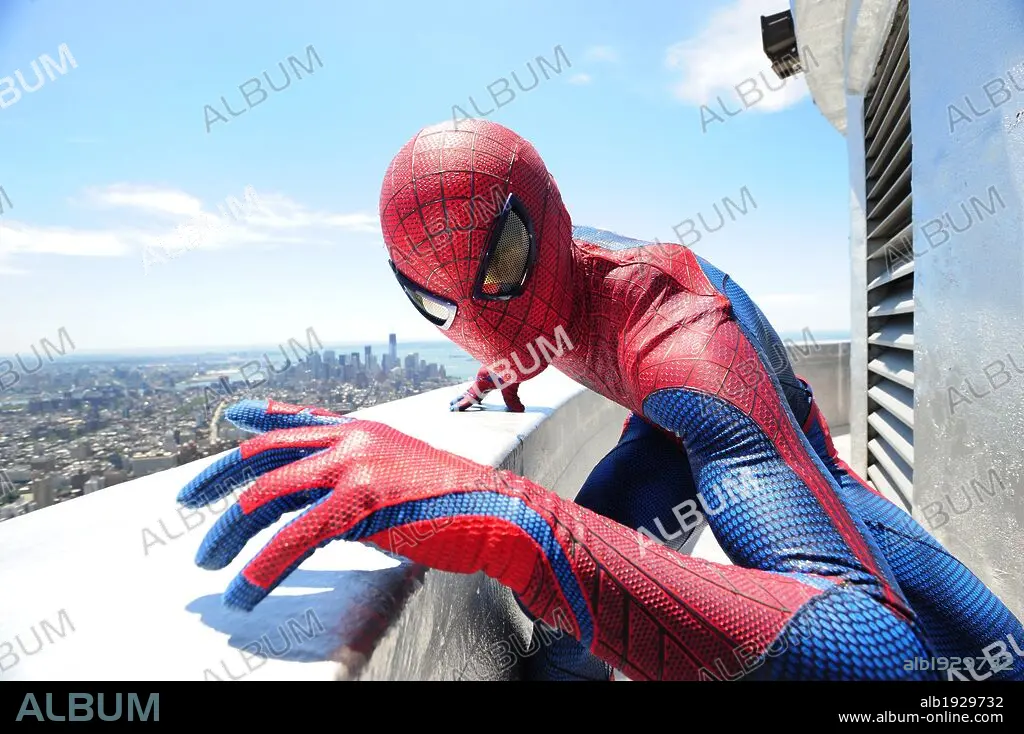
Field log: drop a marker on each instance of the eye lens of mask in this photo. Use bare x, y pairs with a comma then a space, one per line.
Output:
438, 311
509, 256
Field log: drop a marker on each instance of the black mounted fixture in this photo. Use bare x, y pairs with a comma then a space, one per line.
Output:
778, 34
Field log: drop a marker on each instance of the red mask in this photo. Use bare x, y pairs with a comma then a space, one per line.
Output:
479, 238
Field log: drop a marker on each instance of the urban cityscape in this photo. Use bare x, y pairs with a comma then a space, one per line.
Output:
74, 425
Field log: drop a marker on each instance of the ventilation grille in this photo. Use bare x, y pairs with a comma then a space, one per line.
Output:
890, 270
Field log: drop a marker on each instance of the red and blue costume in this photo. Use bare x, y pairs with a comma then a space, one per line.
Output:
831, 581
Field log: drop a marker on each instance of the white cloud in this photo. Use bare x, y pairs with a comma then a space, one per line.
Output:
601, 53
282, 213
724, 54
147, 198
20, 238
580, 79
174, 219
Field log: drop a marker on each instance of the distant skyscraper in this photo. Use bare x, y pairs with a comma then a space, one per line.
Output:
355, 362
330, 363
392, 349
368, 351
412, 364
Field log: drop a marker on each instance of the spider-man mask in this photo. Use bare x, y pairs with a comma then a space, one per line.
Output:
479, 239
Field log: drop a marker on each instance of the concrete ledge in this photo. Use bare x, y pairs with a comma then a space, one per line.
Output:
826, 366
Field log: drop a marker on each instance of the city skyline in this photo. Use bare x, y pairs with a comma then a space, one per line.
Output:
74, 427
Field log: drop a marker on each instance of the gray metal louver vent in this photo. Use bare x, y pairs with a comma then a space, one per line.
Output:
890, 270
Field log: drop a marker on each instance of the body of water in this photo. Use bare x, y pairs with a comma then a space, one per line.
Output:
458, 363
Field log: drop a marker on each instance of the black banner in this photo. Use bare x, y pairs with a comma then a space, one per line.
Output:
707, 706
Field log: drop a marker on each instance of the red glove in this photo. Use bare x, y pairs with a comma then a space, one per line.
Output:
484, 384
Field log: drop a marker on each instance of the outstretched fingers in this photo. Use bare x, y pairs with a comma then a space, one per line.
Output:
283, 490
464, 402
261, 416
252, 459
292, 545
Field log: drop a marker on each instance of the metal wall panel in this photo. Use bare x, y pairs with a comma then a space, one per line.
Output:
967, 111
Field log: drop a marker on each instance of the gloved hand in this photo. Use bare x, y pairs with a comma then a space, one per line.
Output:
484, 384
363, 481
637, 605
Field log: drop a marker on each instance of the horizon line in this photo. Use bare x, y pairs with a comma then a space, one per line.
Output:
197, 349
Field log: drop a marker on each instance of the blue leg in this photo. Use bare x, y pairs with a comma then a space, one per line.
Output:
959, 615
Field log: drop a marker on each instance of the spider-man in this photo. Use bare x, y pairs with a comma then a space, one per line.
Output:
831, 580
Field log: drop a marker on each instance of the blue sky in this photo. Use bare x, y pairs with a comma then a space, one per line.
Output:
114, 154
